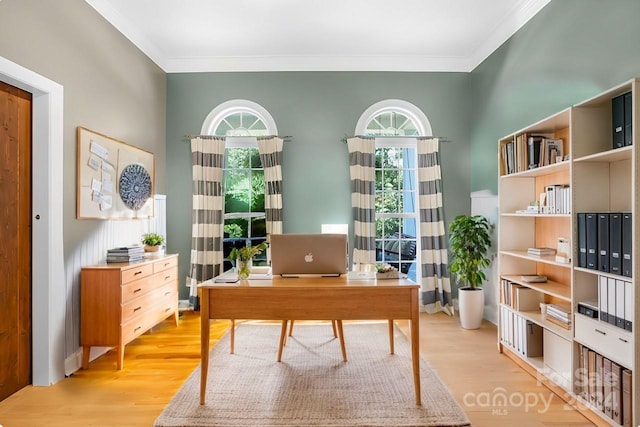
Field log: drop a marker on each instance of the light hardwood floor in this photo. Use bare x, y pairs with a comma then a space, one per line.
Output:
157, 363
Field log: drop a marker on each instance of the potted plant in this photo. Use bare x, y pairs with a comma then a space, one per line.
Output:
244, 258
152, 242
469, 242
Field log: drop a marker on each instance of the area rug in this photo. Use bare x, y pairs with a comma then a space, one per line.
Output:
312, 386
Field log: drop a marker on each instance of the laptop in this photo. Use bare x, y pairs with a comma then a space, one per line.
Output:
302, 254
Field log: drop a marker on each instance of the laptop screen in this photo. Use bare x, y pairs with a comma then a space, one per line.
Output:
320, 254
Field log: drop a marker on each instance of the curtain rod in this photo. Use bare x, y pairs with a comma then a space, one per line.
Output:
188, 137
440, 138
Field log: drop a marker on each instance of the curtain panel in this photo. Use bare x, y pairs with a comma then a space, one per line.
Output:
434, 282
207, 155
271, 156
362, 172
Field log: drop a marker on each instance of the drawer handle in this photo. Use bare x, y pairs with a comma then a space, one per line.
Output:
167, 277
600, 332
137, 329
167, 309
623, 340
137, 290
136, 309
137, 272
166, 264
167, 293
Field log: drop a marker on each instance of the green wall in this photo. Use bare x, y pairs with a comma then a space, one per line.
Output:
569, 52
317, 109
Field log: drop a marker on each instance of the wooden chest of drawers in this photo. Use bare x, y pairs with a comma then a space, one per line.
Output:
121, 301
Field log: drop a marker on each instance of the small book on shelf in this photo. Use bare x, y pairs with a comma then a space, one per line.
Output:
541, 251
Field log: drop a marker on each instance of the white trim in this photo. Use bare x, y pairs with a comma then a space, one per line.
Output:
390, 63
520, 15
48, 275
408, 109
233, 106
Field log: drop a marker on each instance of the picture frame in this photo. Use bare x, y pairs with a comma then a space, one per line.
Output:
115, 180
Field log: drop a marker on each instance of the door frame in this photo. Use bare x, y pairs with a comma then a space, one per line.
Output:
47, 275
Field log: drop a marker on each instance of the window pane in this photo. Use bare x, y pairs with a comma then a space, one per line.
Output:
237, 194
257, 191
407, 204
235, 228
237, 158
255, 161
222, 129
391, 179
259, 228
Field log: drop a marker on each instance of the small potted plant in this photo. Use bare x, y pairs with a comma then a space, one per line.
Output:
469, 242
244, 258
152, 242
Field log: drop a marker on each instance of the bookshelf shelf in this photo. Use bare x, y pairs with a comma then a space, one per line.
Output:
549, 287
609, 156
545, 259
600, 165
537, 317
534, 215
540, 171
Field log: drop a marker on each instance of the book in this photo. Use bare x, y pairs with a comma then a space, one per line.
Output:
557, 322
541, 251
533, 278
528, 299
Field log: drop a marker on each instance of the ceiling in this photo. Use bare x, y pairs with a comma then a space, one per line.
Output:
317, 35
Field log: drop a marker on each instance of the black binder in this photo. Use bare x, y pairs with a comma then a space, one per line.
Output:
626, 244
582, 240
603, 242
592, 240
533, 145
628, 137
617, 117
615, 243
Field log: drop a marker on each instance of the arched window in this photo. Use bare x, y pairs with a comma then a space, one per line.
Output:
393, 122
239, 117
241, 121
393, 117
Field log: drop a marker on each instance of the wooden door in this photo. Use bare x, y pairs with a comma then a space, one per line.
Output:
15, 239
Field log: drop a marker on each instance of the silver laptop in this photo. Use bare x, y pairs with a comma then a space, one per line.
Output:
318, 254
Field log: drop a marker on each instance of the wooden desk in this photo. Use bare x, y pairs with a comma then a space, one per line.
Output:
309, 299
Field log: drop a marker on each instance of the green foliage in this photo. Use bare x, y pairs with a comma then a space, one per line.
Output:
233, 230
469, 242
247, 252
389, 182
152, 239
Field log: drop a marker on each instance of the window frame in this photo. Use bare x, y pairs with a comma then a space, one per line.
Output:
423, 126
209, 127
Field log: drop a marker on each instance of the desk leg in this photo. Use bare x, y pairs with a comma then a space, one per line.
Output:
204, 342
415, 344
341, 336
283, 338
391, 339
232, 336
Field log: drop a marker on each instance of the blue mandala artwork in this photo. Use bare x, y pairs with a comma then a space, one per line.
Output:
135, 186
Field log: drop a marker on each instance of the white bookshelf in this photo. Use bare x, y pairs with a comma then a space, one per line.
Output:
601, 180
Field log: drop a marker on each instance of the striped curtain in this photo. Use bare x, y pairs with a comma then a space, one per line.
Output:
207, 159
362, 171
271, 157
434, 282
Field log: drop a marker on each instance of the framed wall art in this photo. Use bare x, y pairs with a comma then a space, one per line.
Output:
115, 179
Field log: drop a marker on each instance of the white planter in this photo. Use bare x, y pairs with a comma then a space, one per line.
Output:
471, 307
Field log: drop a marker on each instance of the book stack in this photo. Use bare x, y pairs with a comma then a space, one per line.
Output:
559, 315
541, 251
126, 254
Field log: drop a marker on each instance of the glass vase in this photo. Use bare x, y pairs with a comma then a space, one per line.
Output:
243, 268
